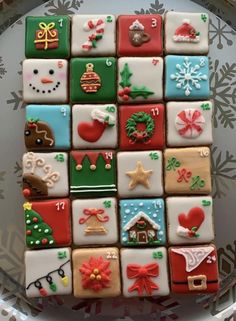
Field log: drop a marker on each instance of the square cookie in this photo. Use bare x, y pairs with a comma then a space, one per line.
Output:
190, 219
95, 221
140, 79
47, 223
94, 126
144, 272
47, 37
187, 78
93, 80
45, 81
140, 35
139, 174
189, 123
187, 170
47, 127
142, 127
93, 35
48, 272
142, 222
93, 173
44, 175
194, 269
96, 272
186, 33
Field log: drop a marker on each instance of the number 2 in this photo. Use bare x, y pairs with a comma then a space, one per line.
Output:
111, 255
154, 23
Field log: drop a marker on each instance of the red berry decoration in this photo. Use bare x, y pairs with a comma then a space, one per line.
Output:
127, 90
28, 232
44, 241
35, 219
26, 192
125, 97
121, 93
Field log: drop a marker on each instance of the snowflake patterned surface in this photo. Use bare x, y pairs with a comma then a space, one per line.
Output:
142, 222
187, 77
3, 70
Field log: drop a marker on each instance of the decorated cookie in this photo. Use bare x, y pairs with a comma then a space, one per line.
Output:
96, 272
139, 174
48, 272
47, 223
94, 126
189, 123
142, 222
45, 81
140, 79
93, 173
194, 269
189, 219
93, 80
142, 127
93, 35
94, 221
140, 35
144, 272
47, 37
47, 127
186, 33
44, 175
187, 78
187, 170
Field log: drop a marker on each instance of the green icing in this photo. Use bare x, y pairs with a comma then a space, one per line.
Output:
62, 24
105, 68
93, 179
39, 231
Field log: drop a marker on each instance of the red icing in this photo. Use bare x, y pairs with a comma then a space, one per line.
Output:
26, 192
92, 156
28, 232
35, 219
91, 131
194, 218
59, 221
150, 48
190, 123
143, 274
184, 175
157, 141
94, 212
43, 292
186, 30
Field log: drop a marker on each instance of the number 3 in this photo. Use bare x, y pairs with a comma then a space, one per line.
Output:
154, 23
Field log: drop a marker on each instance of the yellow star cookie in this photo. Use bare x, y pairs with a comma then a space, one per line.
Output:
139, 176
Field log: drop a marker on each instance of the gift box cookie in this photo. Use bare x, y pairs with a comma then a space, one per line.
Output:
189, 123
93, 35
187, 78
47, 127
44, 175
140, 35
95, 221
144, 272
45, 81
190, 219
93, 173
48, 272
140, 79
194, 269
142, 127
47, 223
93, 80
186, 33
187, 170
47, 37
94, 126
142, 222
96, 272
139, 174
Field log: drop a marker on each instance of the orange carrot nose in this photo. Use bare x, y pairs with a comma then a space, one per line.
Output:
46, 80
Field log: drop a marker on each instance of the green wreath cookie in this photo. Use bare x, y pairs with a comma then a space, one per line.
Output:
140, 136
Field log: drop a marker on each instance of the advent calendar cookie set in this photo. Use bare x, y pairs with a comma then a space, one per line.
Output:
117, 173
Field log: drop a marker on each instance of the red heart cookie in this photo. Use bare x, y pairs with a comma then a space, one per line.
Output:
91, 131
194, 218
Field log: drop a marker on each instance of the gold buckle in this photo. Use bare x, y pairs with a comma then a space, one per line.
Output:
201, 284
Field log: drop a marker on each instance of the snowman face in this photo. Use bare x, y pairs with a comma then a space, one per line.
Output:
45, 80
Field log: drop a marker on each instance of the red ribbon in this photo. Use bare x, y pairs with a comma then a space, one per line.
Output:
137, 137
190, 122
142, 274
89, 212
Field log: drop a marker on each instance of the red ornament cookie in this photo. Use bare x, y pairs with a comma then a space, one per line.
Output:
142, 127
140, 35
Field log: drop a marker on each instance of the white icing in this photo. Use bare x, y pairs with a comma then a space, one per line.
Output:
173, 109
36, 89
174, 20
143, 257
136, 25
101, 116
194, 256
137, 217
80, 34
127, 161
